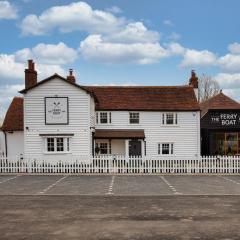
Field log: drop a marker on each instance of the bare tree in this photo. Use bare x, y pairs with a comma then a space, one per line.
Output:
208, 87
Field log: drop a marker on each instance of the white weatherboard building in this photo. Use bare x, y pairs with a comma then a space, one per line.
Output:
57, 117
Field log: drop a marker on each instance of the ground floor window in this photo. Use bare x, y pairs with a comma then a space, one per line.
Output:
165, 148
225, 143
57, 144
103, 148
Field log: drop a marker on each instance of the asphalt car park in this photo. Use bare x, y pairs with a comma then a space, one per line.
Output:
120, 185
119, 207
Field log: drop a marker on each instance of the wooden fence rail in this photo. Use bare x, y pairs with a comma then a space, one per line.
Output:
122, 164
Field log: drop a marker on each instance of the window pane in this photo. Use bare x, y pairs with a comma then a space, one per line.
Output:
171, 148
134, 117
159, 148
96, 117
68, 144
169, 118
103, 148
103, 117
60, 145
165, 148
50, 144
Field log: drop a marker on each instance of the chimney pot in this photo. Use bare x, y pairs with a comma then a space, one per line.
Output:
71, 77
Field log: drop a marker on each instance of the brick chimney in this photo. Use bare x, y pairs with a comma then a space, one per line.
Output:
30, 75
193, 81
70, 77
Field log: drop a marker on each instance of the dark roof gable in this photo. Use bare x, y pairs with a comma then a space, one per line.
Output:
219, 102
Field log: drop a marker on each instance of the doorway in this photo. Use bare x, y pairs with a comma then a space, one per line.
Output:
135, 148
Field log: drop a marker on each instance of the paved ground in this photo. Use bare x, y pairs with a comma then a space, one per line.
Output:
119, 207
119, 185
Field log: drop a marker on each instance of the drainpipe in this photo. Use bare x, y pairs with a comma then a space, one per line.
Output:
6, 146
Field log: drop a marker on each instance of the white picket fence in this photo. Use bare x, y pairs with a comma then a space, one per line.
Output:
122, 164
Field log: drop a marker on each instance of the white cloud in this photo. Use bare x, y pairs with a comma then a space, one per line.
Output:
193, 57
175, 49
7, 10
230, 62
233, 93
168, 23
134, 33
227, 80
13, 70
48, 54
94, 48
9, 68
234, 48
7, 92
67, 18
114, 9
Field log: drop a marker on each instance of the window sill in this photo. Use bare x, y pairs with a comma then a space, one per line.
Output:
170, 125
56, 153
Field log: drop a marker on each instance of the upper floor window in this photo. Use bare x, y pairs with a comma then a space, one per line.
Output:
169, 119
103, 117
57, 144
165, 148
133, 117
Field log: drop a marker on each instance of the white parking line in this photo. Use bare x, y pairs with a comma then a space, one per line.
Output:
170, 186
110, 189
6, 180
52, 185
230, 180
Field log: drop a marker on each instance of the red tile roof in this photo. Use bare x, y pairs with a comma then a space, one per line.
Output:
14, 117
120, 133
219, 102
140, 98
145, 98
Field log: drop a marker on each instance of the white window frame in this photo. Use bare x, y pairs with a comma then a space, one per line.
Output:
66, 145
98, 117
160, 149
98, 144
175, 119
134, 118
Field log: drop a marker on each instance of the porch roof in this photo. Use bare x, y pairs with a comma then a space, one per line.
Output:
119, 133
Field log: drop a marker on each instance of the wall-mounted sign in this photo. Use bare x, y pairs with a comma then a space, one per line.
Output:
225, 119
56, 110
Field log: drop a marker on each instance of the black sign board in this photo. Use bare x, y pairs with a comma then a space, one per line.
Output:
223, 119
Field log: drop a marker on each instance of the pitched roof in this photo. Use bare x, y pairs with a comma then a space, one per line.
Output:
145, 98
141, 98
119, 133
14, 117
219, 102
53, 77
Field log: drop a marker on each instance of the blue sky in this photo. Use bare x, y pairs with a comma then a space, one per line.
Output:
121, 42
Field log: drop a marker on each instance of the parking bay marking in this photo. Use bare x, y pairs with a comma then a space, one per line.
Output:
52, 185
110, 189
170, 186
9, 179
230, 180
